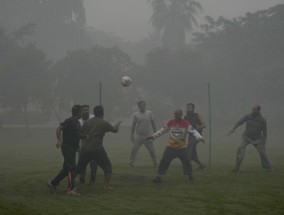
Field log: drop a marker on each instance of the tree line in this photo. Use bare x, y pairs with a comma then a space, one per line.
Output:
242, 58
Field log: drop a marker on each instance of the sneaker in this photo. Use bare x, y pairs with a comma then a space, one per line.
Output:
267, 169
157, 180
201, 166
130, 165
73, 192
108, 188
51, 186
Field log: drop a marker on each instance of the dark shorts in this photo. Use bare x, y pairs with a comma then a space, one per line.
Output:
169, 155
99, 156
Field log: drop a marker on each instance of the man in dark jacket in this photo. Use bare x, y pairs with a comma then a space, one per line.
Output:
255, 134
198, 124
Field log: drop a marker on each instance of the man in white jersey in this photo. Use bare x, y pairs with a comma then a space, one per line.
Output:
143, 126
85, 115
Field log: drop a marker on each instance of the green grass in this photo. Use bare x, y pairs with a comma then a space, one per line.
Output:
27, 163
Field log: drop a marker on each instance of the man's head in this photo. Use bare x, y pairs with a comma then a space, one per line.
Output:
85, 111
256, 110
178, 114
190, 107
99, 111
76, 111
141, 106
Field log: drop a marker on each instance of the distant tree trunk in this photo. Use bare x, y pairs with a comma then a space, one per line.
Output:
27, 124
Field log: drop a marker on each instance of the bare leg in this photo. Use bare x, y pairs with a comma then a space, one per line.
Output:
107, 181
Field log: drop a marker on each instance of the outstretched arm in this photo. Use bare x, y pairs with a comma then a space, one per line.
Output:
242, 121
116, 126
159, 133
195, 133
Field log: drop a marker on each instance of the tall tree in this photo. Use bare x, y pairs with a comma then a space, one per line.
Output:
17, 12
174, 18
247, 51
59, 25
24, 77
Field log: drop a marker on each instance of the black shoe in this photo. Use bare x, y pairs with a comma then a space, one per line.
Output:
92, 181
82, 181
201, 166
267, 169
157, 180
235, 170
190, 178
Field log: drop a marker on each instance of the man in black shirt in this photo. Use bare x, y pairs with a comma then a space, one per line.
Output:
255, 134
68, 138
198, 124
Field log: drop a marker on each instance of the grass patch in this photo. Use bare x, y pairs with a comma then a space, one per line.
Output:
27, 163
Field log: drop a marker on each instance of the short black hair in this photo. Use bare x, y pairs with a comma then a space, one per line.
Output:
140, 102
190, 103
83, 106
98, 111
258, 108
76, 110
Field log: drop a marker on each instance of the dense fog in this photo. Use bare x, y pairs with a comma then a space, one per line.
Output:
54, 54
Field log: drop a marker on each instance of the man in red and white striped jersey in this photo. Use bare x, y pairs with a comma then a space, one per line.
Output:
176, 145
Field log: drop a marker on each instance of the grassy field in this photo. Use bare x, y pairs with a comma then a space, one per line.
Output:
27, 163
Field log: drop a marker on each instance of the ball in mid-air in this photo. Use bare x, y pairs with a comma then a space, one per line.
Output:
125, 81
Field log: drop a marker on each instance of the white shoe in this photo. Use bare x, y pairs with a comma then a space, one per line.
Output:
73, 192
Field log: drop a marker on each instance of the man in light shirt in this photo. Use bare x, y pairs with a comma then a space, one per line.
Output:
143, 126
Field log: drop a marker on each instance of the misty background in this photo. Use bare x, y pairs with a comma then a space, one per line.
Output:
54, 54
129, 19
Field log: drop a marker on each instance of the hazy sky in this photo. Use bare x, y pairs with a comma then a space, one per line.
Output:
129, 19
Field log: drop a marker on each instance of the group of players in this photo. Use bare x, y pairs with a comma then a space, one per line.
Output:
84, 133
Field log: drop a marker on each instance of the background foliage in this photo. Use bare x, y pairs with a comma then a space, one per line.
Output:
241, 58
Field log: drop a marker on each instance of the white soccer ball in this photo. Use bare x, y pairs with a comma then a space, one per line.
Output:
125, 81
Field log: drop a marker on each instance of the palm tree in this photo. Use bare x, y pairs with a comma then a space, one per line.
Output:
173, 18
